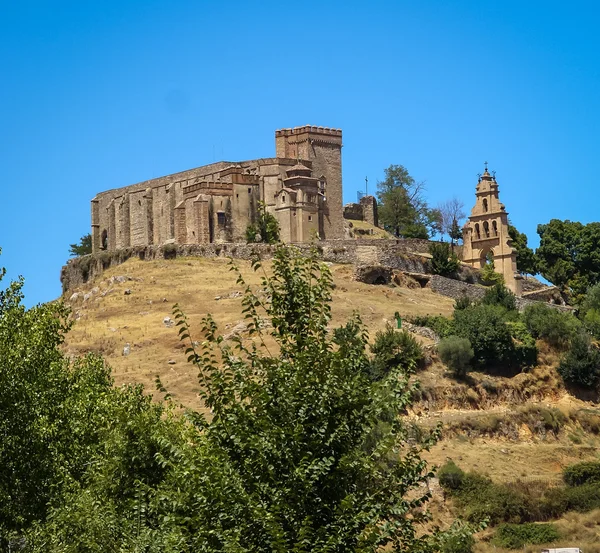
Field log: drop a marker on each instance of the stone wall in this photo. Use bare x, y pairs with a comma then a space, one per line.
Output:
396, 254
456, 289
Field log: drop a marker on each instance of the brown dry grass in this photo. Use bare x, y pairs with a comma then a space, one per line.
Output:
107, 322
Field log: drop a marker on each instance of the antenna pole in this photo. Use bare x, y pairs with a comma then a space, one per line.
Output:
366, 186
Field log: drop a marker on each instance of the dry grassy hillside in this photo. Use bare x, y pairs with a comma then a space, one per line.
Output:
525, 428
129, 304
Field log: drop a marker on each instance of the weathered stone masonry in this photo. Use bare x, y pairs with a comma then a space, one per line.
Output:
301, 186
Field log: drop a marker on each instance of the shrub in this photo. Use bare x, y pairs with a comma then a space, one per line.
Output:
462, 303
525, 350
442, 326
392, 349
485, 328
443, 261
589, 310
581, 364
456, 353
169, 251
515, 536
485, 500
450, 476
550, 324
582, 473
500, 295
265, 229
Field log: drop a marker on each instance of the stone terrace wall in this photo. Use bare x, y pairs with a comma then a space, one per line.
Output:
396, 254
456, 289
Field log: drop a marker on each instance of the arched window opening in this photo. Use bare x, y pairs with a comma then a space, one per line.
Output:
104, 240
477, 233
485, 205
486, 229
495, 227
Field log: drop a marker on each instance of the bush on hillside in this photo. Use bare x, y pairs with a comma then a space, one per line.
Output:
551, 325
581, 364
462, 303
485, 328
582, 473
515, 536
444, 262
450, 476
442, 326
456, 353
395, 349
525, 350
500, 295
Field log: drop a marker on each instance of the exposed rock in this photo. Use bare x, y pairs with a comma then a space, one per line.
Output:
87, 296
172, 361
74, 297
373, 274
127, 292
168, 322
237, 329
126, 349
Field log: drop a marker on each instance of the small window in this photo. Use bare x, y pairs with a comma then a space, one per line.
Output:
310, 217
249, 190
294, 213
477, 233
495, 227
485, 205
221, 219
283, 198
486, 229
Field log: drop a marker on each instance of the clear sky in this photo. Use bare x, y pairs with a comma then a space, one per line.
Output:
99, 94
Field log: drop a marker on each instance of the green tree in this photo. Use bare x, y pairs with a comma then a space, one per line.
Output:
84, 246
500, 295
569, 257
455, 233
265, 229
443, 261
307, 434
452, 213
456, 353
403, 211
581, 364
589, 311
489, 275
527, 263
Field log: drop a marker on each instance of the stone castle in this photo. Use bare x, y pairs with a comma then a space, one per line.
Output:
301, 186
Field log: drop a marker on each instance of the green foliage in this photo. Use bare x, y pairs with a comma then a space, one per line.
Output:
553, 326
459, 538
265, 229
568, 256
515, 536
301, 451
525, 349
462, 303
443, 261
489, 276
402, 209
582, 473
500, 295
455, 232
527, 262
589, 311
83, 247
485, 328
450, 476
442, 326
482, 500
394, 349
456, 353
580, 365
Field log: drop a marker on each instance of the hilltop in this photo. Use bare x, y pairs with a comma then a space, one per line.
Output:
524, 428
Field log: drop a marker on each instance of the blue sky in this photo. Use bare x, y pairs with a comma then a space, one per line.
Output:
97, 95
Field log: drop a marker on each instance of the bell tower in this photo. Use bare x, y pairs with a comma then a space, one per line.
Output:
486, 231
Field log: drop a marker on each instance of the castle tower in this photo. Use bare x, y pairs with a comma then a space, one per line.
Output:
487, 231
323, 147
